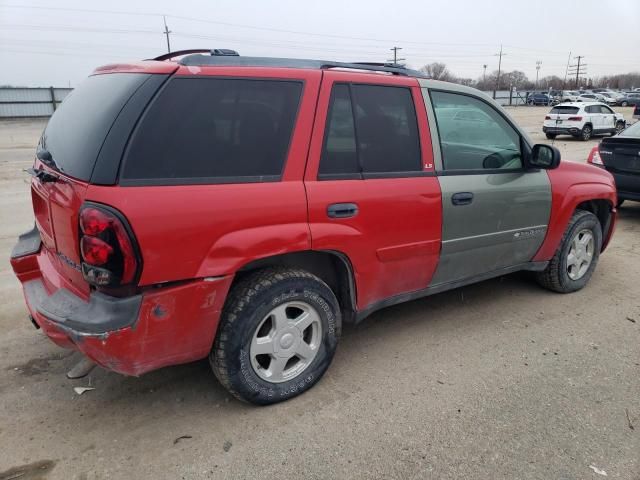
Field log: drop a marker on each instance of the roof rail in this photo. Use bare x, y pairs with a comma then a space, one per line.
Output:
230, 60
178, 53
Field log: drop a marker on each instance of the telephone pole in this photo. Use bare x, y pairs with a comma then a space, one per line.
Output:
484, 73
579, 69
395, 55
538, 63
167, 32
499, 55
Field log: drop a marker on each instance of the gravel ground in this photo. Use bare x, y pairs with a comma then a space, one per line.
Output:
497, 380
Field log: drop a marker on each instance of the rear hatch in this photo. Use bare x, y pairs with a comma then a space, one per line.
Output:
563, 116
621, 154
68, 151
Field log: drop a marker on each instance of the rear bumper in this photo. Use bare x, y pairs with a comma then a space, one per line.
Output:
165, 325
561, 130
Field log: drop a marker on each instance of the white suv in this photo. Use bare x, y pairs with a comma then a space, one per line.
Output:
582, 120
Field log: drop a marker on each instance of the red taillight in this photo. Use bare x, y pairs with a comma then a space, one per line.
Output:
95, 252
106, 246
547, 117
594, 156
94, 221
575, 119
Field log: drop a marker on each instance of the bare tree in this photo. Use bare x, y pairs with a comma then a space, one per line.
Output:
438, 71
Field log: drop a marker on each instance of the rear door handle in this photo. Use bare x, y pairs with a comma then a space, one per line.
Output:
342, 210
462, 198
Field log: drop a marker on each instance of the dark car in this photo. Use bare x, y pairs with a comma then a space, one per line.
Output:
538, 99
629, 99
620, 156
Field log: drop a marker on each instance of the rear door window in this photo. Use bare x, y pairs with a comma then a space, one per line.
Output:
76, 131
371, 130
212, 130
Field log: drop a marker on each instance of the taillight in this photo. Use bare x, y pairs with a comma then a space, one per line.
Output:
547, 117
594, 156
107, 247
575, 119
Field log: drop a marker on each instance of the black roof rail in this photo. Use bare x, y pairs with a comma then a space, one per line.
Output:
178, 53
231, 60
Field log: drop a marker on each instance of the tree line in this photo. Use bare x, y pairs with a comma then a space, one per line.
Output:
519, 80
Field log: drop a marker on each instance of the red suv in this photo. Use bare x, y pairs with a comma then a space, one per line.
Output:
207, 204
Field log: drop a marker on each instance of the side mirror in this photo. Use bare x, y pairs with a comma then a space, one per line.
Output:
544, 156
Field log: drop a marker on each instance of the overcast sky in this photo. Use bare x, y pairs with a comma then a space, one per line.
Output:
59, 43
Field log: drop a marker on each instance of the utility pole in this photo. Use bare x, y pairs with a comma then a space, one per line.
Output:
580, 70
500, 55
538, 63
564, 82
167, 32
484, 73
395, 55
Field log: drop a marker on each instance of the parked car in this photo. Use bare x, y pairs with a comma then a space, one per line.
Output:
620, 156
538, 99
636, 111
607, 92
629, 99
594, 97
609, 98
241, 209
582, 120
569, 96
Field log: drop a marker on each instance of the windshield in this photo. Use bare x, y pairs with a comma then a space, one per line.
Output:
632, 131
77, 129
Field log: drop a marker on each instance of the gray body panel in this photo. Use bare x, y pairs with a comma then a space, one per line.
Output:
507, 220
505, 224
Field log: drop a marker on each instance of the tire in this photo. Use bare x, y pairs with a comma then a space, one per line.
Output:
551, 136
624, 104
557, 276
619, 128
250, 314
586, 132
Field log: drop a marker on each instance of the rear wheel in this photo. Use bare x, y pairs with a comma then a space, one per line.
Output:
551, 136
277, 336
573, 263
586, 133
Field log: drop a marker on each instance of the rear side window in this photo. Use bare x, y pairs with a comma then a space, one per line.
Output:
371, 129
207, 130
78, 128
562, 110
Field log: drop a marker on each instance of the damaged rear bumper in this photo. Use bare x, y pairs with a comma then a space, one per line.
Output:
163, 325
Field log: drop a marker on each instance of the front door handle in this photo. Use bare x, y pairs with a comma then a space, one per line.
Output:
342, 210
462, 198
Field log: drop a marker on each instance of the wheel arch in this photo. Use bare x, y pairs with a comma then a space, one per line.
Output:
332, 267
603, 209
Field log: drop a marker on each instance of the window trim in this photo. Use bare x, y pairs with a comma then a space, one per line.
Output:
139, 182
369, 175
478, 171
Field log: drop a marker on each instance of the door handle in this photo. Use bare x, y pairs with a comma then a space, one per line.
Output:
342, 210
462, 198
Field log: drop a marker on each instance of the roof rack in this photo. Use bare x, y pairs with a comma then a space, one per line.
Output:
230, 58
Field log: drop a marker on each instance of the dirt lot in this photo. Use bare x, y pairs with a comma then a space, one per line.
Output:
496, 380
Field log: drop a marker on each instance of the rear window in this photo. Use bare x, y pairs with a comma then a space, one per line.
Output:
632, 131
208, 130
76, 131
563, 110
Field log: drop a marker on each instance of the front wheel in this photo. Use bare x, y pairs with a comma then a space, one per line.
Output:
551, 136
573, 263
624, 104
277, 336
619, 127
